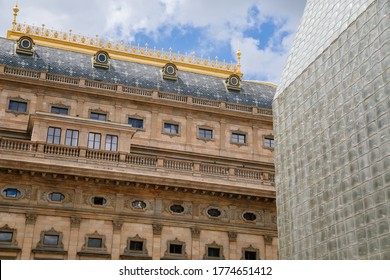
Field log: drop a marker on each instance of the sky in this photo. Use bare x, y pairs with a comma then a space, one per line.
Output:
263, 30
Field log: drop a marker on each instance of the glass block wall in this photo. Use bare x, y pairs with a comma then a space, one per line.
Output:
332, 129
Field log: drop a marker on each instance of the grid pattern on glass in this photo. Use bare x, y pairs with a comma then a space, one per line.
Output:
136, 246
53, 135
51, 240
136, 123
6, 236
94, 140
213, 252
18, 106
175, 248
205, 133
250, 255
94, 242
171, 128
72, 137
14, 193
55, 196
98, 116
268, 142
238, 138
111, 143
59, 110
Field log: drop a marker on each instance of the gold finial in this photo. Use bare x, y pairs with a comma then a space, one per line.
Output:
238, 68
16, 10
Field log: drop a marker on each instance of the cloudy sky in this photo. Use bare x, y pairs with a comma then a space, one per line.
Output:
262, 29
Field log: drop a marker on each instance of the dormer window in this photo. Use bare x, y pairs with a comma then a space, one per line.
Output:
233, 82
101, 60
25, 45
170, 71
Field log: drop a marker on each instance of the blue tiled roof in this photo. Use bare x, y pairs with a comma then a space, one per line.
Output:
76, 64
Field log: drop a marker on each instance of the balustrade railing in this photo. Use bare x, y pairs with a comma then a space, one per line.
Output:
136, 91
62, 79
144, 161
174, 97
22, 72
206, 102
101, 85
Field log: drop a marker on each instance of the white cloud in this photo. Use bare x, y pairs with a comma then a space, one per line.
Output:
222, 21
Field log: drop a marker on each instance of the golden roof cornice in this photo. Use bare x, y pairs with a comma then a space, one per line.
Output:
120, 51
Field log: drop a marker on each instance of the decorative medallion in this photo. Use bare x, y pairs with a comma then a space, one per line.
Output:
25, 45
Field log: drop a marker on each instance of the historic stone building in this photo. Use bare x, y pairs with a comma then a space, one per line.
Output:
332, 128
110, 151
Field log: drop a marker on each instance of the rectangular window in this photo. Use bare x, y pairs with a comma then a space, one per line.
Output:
250, 255
53, 135
18, 106
51, 240
170, 128
111, 143
6, 236
59, 110
213, 252
94, 140
269, 142
72, 137
94, 242
238, 138
136, 123
205, 133
175, 248
136, 245
98, 116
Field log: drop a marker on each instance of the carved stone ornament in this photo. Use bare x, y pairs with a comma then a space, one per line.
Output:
117, 225
157, 229
75, 222
195, 232
232, 236
31, 219
268, 240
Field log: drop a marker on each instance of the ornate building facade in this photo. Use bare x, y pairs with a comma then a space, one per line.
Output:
119, 152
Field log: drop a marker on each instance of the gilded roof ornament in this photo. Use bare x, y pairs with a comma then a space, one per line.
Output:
16, 10
238, 67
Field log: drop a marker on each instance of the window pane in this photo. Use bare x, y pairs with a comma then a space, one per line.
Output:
94, 242
136, 123
136, 245
97, 116
175, 248
213, 252
11, 193
17, 106
59, 110
53, 135
249, 255
50, 239
6, 236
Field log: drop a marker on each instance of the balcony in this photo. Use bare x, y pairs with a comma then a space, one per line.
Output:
130, 163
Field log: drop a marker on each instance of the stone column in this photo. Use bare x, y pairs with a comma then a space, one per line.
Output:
157, 229
232, 254
195, 246
116, 239
28, 236
268, 247
73, 237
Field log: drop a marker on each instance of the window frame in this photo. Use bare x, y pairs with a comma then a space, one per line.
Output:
135, 254
271, 143
173, 255
238, 134
99, 114
5, 190
94, 134
213, 245
250, 249
109, 141
12, 243
171, 124
60, 108
54, 136
94, 235
136, 118
18, 101
204, 138
42, 245
72, 139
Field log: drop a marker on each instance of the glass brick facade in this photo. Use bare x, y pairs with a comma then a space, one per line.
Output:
332, 132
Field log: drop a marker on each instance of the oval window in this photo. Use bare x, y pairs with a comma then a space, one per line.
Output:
177, 208
102, 57
97, 200
214, 212
10, 192
170, 70
25, 43
55, 196
234, 81
249, 216
138, 204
